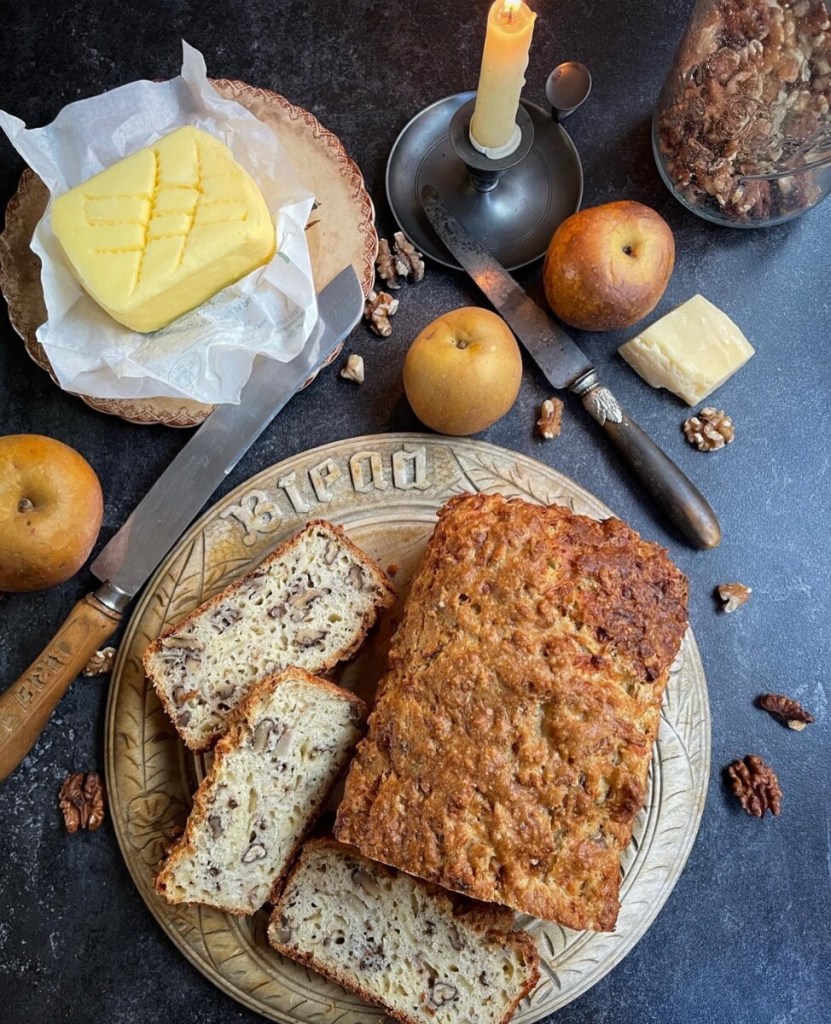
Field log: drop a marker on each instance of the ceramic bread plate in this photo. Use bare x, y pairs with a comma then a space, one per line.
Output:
384, 490
341, 231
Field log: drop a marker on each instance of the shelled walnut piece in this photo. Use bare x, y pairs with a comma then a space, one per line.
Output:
785, 710
550, 422
755, 785
408, 261
101, 663
354, 369
710, 429
403, 260
379, 307
734, 595
385, 265
82, 801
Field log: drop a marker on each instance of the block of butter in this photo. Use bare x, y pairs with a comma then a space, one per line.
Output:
691, 351
161, 231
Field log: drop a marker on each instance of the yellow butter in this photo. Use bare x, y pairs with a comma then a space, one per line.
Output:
163, 230
691, 351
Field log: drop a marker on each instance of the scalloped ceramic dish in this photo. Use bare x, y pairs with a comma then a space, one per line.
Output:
385, 491
341, 231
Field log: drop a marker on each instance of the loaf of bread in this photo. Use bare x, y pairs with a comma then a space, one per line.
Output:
424, 955
309, 604
286, 747
509, 749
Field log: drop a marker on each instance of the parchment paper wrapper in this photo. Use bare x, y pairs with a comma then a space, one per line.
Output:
207, 354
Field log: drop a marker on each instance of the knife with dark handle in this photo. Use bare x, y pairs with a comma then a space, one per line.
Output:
565, 366
162, 516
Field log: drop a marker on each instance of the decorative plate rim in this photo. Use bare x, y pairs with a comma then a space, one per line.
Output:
613, 946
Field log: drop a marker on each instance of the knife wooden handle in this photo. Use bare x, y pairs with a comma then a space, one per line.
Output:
27, 705
678, 498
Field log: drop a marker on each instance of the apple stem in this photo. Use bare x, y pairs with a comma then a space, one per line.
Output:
25, 505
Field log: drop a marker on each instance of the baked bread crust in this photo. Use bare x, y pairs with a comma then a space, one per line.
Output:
165, 686
184, 847
508, 751
493, 924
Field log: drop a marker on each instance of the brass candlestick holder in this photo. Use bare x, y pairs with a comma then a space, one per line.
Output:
513, 205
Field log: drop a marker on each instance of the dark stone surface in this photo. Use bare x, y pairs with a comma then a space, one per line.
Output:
744, 938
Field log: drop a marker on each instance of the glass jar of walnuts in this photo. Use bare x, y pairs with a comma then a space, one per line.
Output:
742, 131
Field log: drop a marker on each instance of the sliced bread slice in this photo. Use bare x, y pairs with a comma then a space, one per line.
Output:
425, 955
272, 772
309, 604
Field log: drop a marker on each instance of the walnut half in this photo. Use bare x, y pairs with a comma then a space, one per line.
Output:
402, 260
710, 430
785, 710
101, 663
353, 369
408, 261
550, 422
380, 306
755, 785
82, 801
734, 595
385, 265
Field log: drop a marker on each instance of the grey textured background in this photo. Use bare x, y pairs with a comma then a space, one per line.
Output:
744, 939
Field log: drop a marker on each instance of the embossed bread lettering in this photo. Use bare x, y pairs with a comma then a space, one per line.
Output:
256, 514
289, 484
323, 478
409, 469
367, 471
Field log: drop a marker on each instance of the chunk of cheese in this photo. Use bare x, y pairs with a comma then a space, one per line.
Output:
691, 351
163, 230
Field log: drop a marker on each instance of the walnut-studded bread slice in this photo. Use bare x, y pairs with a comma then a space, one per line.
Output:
273, 770
508, 751
425, 955
309, 604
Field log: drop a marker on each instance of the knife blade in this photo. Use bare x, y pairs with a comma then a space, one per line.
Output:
566, 367
160, 518
218, 445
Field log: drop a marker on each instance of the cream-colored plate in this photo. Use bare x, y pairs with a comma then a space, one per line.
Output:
384, 490
341, 231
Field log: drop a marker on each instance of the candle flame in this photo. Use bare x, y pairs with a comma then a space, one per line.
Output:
509, 9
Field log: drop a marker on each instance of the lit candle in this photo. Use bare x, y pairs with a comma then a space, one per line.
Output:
493, 128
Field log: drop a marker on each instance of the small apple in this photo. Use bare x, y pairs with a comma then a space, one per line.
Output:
462, 373
608, 266
51, 509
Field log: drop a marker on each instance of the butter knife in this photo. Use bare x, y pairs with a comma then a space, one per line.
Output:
565, 366
162, 516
